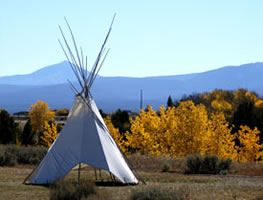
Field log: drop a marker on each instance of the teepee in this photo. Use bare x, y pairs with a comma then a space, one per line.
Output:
85, 137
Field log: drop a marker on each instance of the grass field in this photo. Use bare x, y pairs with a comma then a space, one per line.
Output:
241, 183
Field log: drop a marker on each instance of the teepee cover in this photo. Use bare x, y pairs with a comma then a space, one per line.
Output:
85, 137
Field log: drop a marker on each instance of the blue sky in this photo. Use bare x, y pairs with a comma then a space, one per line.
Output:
149, 37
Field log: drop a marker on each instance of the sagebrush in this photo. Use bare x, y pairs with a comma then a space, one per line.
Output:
71, 191
11, 155
209, 164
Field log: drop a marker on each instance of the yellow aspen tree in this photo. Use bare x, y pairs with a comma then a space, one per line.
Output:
118, 138
62, 111
144, 132
220, 101
251, 96
249, 150
259, 104
192, 126
167, 130
241, 96
49, 134
220, 105
218, 140
39, 113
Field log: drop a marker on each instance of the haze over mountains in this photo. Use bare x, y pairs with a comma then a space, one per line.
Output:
50, 84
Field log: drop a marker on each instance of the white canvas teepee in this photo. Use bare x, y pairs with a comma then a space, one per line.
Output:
85, 137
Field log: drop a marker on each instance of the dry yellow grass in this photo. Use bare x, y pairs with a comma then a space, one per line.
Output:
11, 186
191, 186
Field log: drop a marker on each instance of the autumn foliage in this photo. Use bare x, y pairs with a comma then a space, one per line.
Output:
180, 131
49, 134
42, 118
249, 148
227, 124
118, 138
40, 113
189, 129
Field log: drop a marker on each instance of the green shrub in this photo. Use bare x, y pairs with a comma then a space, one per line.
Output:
31, 156
25, 155
70, 191
85, 189
156, 194
209, 164
62, 192
194, 163
10, 159
7, 159
2, 158
13, 149
224, 166
166, 167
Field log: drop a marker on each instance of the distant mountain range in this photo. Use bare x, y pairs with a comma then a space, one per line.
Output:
50, 84
50, 75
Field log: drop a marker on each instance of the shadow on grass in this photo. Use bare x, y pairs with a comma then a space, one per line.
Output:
112, 184
97, 183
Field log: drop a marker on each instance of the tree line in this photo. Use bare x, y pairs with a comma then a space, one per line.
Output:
223, 123
40, 128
